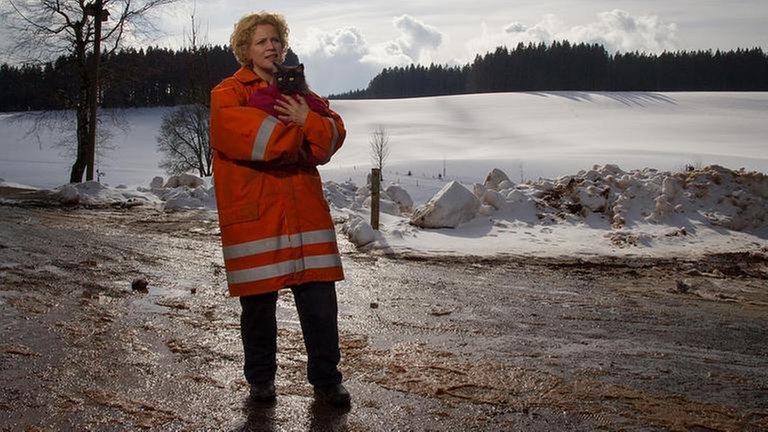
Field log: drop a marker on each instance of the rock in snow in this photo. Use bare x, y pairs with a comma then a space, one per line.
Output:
401, 197
495, 178
68, 194
449, 208
494, 199
359, 231
156, 183
183, 197
385, 205
339, 195
189, 180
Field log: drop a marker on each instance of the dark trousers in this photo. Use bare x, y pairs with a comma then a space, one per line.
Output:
317, 308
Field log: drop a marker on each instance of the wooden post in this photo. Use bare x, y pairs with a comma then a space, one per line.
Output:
375, 194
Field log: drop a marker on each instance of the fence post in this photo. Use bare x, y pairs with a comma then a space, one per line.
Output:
375, 194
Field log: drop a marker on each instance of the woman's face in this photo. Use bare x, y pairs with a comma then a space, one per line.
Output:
265, 48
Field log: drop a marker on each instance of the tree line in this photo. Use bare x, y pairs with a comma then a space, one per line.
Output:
584, 67
164, 77
129, 78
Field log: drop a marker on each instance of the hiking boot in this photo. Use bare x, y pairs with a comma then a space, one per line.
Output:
334, 395
263, 392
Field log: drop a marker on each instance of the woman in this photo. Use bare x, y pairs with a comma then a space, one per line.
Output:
276, 229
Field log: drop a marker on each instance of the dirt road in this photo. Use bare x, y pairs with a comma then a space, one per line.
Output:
444, 345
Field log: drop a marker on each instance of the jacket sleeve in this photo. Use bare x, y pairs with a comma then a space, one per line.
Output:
248, 134
323, 137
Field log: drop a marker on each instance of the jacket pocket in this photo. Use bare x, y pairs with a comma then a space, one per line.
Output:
239, 195
238, 214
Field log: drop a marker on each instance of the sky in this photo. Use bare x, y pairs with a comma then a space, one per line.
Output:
345, 43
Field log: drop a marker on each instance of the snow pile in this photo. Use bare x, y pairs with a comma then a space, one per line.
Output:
602, 211
179, 192
597, 212
393, 201
737, 200
340, 195
609, 197
93, 193
187, 198
185, 191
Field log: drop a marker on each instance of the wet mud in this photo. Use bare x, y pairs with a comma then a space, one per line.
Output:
446, 344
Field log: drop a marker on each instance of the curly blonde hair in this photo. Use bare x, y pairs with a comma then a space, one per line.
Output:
241, 37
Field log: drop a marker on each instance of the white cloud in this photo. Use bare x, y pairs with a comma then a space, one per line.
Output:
333, 60
345, 42
617, 30
515, 27
343, 59
417, 38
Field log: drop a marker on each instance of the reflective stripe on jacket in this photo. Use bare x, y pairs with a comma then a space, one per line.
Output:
276, 227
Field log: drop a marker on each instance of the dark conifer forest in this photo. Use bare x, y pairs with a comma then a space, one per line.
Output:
129, 78
163, 77
579, 67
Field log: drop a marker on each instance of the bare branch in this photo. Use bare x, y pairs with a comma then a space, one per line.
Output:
184, 140
45, 29
379, 142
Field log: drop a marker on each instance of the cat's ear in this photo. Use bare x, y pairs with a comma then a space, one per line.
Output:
277, 67
300, 67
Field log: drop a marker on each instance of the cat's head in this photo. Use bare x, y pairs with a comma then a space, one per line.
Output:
290, 79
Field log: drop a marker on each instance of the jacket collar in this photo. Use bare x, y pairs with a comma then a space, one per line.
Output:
246, 76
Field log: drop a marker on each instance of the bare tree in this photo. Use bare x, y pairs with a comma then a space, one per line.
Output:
45, 29
199, 71
379, 141
184, 141
184, 136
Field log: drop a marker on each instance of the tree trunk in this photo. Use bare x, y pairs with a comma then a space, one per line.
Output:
81, 160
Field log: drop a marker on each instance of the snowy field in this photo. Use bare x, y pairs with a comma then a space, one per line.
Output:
583, 174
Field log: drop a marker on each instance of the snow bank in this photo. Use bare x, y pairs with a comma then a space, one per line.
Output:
716, 195
394, 200
93, 193
601, 211
596, 212
185, 192
8, 184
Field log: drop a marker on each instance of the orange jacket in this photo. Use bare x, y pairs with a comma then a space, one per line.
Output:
276, 227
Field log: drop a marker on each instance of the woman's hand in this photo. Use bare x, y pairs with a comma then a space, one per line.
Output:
294, 109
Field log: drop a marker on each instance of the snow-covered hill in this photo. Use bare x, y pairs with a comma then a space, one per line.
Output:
528, 135
587, 174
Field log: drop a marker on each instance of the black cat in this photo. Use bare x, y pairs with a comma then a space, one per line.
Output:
288, 80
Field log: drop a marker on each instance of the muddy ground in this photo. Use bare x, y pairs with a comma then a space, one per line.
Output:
443, 345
